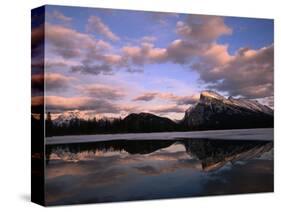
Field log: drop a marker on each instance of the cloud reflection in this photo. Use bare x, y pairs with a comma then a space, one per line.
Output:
118, 171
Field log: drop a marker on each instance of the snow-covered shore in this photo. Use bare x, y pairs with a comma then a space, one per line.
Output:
240, 134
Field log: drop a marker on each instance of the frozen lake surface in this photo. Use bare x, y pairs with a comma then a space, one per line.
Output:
261, 134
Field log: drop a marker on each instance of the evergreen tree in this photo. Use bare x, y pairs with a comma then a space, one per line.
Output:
49, 125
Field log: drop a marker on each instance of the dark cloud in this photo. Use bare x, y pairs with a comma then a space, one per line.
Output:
183, 51
68, 53
203, 28
37, 64
101, 91
168, 109
37, 82
146, 97
93, 69
92, 55
179, 100
59, 104
162, 17
37, 42
134, 70
58, 63
37, 36
197, 33
187, 100
56, 81
70, 43
53, 81
249, 73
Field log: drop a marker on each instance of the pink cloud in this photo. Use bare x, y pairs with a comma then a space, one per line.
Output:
55, 81
95, 24
203, 28
70, 43
248, 73
145, 53
217, 54
180, 100
59, 103
174, 108
37, 101
37, 34
59, 16
113, 59
102, 91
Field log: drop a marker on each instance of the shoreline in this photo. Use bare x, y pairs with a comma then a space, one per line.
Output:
265, 134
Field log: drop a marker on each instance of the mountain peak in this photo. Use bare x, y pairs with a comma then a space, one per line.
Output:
68, 116
147, 122
142, 115
208, 95
214, 111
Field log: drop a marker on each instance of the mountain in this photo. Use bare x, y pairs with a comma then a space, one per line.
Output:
214, 111
214, 154
67, 118
147, 122
204, 154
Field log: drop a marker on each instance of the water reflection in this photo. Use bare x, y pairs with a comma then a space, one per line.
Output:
136, 170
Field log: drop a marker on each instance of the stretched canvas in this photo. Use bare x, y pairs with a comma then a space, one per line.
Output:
136, 105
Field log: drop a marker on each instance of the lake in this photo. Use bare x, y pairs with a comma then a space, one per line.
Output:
126, 170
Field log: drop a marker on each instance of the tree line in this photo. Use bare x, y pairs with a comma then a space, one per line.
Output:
77, 126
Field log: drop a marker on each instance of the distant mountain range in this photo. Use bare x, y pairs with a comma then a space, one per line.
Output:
67, 117
212, 111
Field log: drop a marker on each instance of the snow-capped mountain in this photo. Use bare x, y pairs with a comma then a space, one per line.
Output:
67, 117
254, 105
214, 111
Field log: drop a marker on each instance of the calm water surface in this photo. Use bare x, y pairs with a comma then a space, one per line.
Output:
139, 170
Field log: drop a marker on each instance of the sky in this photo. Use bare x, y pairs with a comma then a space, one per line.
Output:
109, 63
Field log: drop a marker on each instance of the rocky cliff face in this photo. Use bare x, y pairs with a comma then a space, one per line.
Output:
214, 111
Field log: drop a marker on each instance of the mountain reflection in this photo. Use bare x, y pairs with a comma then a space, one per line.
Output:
155, 169
211, 154
214, 154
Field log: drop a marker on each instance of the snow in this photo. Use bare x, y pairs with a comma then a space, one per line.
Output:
240, 134
66, 117
253, 105
212, 94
